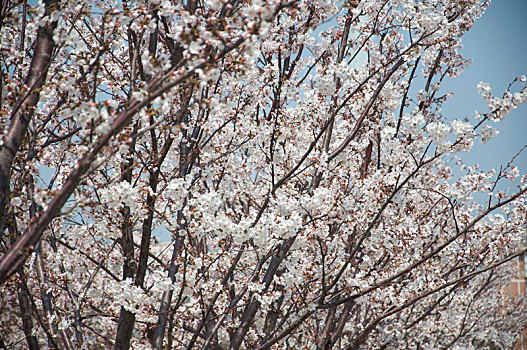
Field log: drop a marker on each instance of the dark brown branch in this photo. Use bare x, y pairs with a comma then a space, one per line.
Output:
25, 105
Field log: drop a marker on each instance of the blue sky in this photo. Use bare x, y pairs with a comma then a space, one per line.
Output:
497, 45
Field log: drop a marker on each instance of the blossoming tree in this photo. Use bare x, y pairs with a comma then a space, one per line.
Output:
293, 151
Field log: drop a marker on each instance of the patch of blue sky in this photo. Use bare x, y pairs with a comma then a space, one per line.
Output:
497, 47
496, 44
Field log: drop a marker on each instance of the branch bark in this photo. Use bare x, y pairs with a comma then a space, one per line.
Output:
25, 105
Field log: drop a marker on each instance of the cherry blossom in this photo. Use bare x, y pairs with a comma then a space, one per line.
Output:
251, 175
